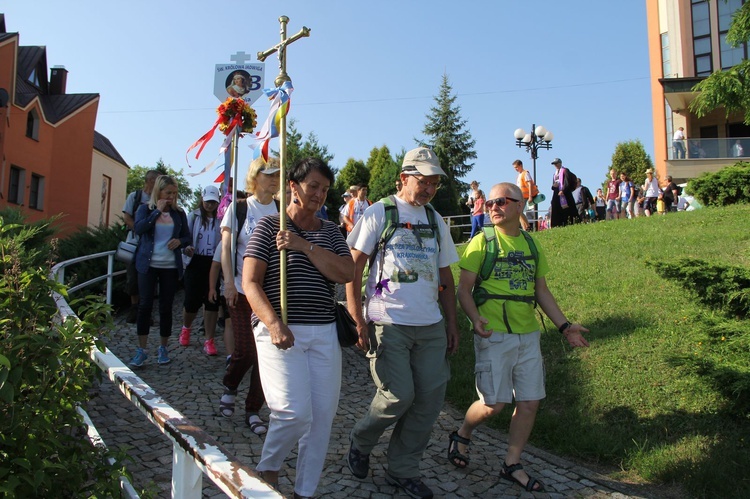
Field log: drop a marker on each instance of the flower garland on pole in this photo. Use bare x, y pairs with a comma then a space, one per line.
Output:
233, 114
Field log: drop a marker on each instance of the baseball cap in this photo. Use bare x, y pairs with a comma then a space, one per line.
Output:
210, 193
347, 194
422, 161
556, 161
269, 168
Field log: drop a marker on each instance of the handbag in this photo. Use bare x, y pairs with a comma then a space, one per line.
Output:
125, 251
346, 328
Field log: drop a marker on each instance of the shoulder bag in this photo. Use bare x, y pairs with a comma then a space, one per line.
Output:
346, 328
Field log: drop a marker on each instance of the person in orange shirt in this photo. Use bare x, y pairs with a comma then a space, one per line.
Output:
529, 191
356, 207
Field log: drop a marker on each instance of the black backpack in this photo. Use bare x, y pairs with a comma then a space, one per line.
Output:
571, 179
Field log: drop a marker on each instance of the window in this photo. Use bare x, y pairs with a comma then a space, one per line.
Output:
666, 67
33, 77
701, 38
36, 192
16, 185
32, 125
730, 56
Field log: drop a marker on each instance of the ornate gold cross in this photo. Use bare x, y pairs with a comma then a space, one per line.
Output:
280, 80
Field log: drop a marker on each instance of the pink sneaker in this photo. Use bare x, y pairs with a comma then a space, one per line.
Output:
209, 347
185, 336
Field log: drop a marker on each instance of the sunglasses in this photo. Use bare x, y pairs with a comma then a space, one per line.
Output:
499, 201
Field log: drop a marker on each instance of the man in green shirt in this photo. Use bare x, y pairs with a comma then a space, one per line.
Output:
506, 333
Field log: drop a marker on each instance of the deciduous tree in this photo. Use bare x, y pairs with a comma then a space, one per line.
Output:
730, 88
630, 157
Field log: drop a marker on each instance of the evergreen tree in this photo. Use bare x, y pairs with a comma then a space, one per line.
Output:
353, 173
730, 88
452, 142
294, 144
630, 158
384, 172
297, 148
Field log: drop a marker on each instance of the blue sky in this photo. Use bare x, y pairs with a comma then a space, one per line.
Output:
367, 75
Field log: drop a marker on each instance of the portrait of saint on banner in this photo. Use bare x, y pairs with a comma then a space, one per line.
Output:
240, 81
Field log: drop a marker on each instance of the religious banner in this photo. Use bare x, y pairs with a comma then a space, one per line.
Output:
239, 81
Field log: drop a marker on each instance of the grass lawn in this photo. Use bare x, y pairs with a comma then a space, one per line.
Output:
663, 393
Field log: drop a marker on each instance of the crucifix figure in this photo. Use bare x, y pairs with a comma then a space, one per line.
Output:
281, 48
280, 80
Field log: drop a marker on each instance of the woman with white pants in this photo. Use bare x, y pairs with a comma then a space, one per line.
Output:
300, 361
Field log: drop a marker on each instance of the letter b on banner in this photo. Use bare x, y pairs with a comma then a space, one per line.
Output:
239, 80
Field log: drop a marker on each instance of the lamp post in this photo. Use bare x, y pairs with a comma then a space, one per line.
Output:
539, 138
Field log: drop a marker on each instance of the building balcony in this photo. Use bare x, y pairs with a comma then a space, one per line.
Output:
705, 155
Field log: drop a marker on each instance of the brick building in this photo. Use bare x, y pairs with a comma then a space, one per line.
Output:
52, 159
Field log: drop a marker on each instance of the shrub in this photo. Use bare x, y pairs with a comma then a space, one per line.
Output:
45, 372
730, 185
722, 287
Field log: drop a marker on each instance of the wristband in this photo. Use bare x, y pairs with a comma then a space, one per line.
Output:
565, 326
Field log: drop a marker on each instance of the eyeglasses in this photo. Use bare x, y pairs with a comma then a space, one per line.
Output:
427, 183
498, 201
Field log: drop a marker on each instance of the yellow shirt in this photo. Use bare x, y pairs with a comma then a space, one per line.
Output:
512, 275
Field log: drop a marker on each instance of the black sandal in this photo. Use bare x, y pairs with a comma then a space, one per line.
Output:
454, 455
507, 473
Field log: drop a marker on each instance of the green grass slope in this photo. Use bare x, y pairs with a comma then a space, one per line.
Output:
663, 393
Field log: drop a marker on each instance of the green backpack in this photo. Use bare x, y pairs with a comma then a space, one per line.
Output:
389, 228
491, 257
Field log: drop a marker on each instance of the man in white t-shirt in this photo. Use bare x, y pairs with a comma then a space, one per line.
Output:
409, 280
678, 145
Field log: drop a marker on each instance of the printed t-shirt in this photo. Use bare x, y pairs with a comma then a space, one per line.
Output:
625, 191
255, 211
515, 276
612, 189
410, 264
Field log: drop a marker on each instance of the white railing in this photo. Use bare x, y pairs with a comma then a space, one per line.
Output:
194, 452
453, 220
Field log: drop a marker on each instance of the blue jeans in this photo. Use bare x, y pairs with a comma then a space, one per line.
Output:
167, 279
477, 222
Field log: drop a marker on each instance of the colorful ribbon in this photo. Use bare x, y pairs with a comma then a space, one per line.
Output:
281, 97
206, 138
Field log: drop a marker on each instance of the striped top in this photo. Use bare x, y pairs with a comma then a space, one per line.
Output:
309, 293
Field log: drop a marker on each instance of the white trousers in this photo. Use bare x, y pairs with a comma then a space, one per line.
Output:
302, 386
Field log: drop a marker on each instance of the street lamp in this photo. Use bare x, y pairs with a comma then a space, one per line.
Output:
539, 138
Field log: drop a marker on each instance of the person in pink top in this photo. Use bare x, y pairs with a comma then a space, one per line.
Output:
477, 213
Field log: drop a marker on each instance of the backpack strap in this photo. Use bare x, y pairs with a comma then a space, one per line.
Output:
491, 257
240, 211
392, 223
490, 254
